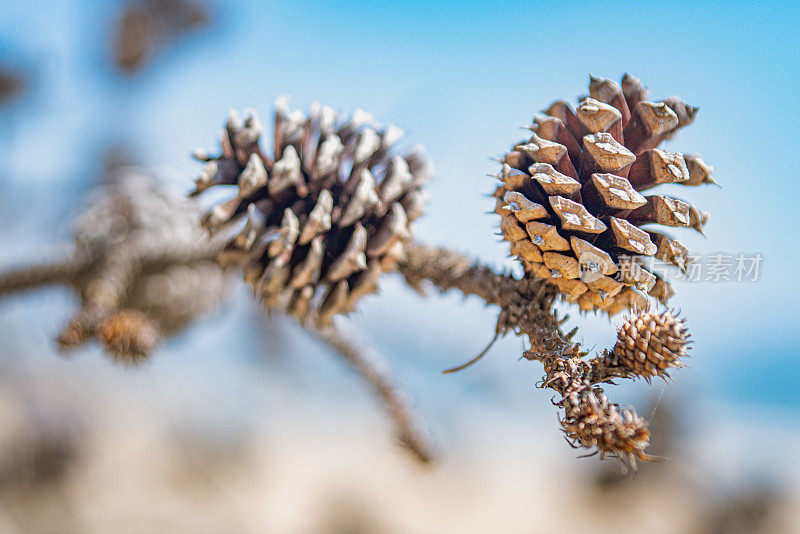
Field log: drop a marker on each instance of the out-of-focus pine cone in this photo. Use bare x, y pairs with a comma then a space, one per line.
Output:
12, 84
649, 344
130, 296
128, 336
147, 26
571, 196
178, 294
134, 205
326, 217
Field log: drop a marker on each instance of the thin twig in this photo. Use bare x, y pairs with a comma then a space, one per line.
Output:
525, 304
59, 269
369, 365
480, 355
103, 278
67, 268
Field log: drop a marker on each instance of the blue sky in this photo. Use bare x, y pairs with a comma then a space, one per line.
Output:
461, 78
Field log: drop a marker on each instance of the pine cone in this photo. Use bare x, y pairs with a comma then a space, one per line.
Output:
149, 271
326, 217
593, 421
571, 202
176, 295
128, 336
12, 84
649, 344
146, 27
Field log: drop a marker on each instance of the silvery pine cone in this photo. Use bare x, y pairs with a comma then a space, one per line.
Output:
324, 217
571, 196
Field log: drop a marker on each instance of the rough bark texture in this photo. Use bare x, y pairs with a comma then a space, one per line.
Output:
525, 304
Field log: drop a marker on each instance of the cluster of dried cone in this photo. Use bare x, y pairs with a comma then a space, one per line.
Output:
571, 203
648, 344
572, 210
324, 216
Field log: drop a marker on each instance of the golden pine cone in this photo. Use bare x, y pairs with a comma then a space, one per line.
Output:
649, 344
571, 202
324, 218
593, 421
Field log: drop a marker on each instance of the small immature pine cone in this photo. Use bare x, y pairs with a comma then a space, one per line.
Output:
571, 202
128, 336
649, 344
593, 421
322, 220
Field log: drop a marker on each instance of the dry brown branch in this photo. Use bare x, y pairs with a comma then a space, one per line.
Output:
58, 269
525, 304
71, 270
373, 370
109, 284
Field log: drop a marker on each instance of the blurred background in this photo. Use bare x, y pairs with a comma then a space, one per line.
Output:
240, 423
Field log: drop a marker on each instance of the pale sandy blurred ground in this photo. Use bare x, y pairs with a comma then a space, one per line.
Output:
90, 447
